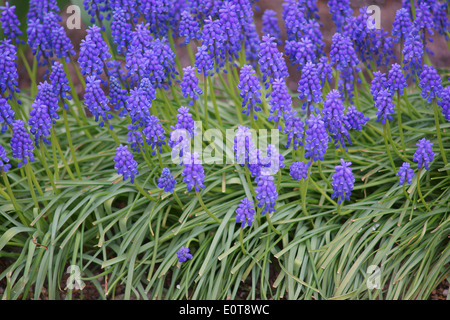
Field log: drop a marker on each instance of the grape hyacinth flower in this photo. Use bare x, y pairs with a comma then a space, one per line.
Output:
243, 145
183, 254
309, 87
300, 52
118, 96
134, 138
424, 154
203, 61
333, 117
343, 182
280, 101
193, 173
294, 17
342, 53
40, 122
295, 131
94, 52
405, 173
10, 23
424, 22
214, 39
21, 144
271, 61
138, 106
245, 212
189, 27
46, 94
96, 101
125, 163
299, 170
325, 70
61, 45
250, 91
166, 181
385, 106
60, 83
154, 134
181, 134
316, 141
8, 69
340, 10
121, 30
6, 114
98, 9
396, 79
445, 103
354, 119
229, 21
4, 165
378, 83
270, 25
189, 85
413, 54
266, 194
401, 25
430, 83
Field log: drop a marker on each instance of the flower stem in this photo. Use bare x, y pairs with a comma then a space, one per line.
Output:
419, 191
30, 184
47, 169
388, 149
206, 209
69, 139
213, 98
241, 241
13, 200
269, 221
438, 131
399, 119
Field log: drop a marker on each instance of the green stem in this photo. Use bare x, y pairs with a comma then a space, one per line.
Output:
206, 209
30, 184
241, 241
205, 96
213, 98
13, 200
145, 194
69, 139
419, 191
399, 117
438, 132
269, 221
47, 169
388, 149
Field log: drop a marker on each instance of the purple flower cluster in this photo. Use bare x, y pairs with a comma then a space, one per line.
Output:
21, 144
280, 101
60, 83
166, 181
6, 114
189, 27
270, 25
96, 101
189, 85
245, 212
8, 69
430, 83
385, 106
40, 122
94, 52
316, 141
299, 170
266, 194
250, 91
4, 165
271, 61
396, 79
10, 23
125, 163
193, 173
295, 131
183, 254
154, 134
309, 87
343, 181
424, 154
445, 103
405, 173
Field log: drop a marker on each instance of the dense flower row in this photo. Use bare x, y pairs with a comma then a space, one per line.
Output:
226, 42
